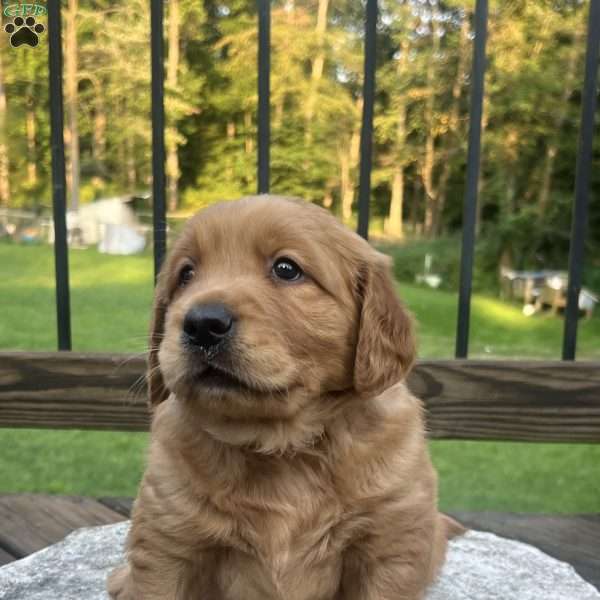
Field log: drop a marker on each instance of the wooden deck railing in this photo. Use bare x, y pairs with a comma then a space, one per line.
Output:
533, 401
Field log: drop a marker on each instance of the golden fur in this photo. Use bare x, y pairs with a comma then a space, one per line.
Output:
312, 483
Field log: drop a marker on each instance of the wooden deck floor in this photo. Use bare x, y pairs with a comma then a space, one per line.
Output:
30, 522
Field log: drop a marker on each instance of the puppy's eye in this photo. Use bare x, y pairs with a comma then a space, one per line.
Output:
286, 269
186, 275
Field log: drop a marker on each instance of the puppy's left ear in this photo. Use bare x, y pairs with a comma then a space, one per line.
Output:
385, 348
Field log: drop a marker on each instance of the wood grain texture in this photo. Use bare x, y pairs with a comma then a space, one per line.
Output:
5, 557
574, 539
73, 391
535, 401
121, 504
30, 522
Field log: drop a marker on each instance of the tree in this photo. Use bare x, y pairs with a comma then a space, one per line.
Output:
72, 102
531, 106
4, 164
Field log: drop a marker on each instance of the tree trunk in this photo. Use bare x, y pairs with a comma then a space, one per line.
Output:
71, 102
4, 164
346, 190
561, 116
31, 145
172, 167
453, 123
427, 176
348, 162
548, 169
278, 116
99, 133
394, 225
429, 160
414, 207
99, 140
481, 183
230, 153
248, 134
442, 192
131, 171
317, 69
122, 160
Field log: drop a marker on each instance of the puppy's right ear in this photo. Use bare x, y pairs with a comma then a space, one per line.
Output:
157, 391
385, 349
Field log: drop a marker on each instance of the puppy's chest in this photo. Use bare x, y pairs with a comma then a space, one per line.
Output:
279, 540
291, 554
278, 530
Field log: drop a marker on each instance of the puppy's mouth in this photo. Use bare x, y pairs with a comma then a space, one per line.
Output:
214, 377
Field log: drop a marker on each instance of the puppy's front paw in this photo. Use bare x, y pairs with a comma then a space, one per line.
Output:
119, 584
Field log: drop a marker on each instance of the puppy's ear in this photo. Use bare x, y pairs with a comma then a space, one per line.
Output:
157, 391
385, 348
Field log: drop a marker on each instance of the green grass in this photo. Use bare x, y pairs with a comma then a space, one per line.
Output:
92, 463
111, 298
473, 475
498, 329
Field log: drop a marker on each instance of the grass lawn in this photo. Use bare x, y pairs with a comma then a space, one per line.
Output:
111, 299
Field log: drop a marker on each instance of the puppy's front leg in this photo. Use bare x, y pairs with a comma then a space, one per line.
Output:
119, 584
395, 565
388, 579
162, 568
149, 577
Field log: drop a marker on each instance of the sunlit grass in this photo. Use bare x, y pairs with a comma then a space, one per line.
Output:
501, 312
498, 328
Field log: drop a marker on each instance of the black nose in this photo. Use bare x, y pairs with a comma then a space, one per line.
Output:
205, 325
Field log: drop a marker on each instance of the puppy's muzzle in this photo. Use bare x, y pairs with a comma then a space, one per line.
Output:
207, 327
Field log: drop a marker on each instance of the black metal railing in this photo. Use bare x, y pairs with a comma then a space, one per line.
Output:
59, 185
471, 189
582, 180
366, 130
159, 211
264, 95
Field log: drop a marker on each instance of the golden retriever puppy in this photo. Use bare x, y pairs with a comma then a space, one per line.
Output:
288, 459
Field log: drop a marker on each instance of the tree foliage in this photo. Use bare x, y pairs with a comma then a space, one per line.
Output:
531, 110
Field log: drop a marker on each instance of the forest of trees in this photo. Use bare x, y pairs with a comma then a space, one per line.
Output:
530, 122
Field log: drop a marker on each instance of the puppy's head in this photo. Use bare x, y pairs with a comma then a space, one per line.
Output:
265, 310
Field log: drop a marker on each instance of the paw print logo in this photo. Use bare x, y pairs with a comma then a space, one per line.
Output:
24, 31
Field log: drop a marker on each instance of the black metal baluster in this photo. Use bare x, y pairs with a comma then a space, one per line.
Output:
471, 191
366, 131
264, 68
59, 203
582, 182
158, 134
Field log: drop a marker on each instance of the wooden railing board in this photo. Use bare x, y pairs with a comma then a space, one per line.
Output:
535, 401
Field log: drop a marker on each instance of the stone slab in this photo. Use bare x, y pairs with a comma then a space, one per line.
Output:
480, 566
